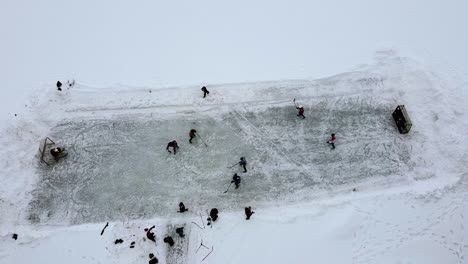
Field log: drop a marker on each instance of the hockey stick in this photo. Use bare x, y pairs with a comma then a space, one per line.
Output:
102, 232
294, 101
228, 188
202, 140
197, 225
212, 248
201, 218
233, 165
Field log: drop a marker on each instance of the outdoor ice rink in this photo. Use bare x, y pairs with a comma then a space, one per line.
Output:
117, 168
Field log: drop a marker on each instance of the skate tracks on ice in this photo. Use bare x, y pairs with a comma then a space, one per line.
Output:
118, 168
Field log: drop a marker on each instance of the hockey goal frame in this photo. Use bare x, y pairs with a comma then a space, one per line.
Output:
44, 147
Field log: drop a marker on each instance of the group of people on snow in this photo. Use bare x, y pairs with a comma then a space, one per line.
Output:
168, 240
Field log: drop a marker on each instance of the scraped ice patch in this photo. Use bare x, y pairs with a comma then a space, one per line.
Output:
119, 168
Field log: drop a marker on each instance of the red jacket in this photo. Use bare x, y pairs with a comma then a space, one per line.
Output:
301, 110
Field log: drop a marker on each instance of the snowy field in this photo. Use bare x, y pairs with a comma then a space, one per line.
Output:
379, 197
410, 190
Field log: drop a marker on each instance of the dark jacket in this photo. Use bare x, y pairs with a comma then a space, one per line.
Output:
172, 144
236, 178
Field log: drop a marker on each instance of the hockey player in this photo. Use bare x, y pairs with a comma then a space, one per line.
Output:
169, 240
150, 235
56, 153
180, 231
182, 208
236, 179
192, 135
173, 145
243, 163
214, 214
248, 212
153, 259
205, 91
301, 111
59, 86
332, 141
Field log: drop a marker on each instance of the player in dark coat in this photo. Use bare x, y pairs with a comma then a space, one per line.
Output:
173, 145
243, 163
180, 231
205, 91
153, 259
214, 214
192, 135
248, 212
59, 86
56, 153
236, 179
169, 240
182, 208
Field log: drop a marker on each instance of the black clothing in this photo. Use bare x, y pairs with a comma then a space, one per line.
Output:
243, 163
214, 214
236, 179
59, 85
169, 241
180, 231
182, 207
192, 135
248, 212
153, 261
205, 91
55, 152
173, 145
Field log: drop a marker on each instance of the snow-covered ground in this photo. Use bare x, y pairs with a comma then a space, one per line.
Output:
410, 191
379, 197
173, 43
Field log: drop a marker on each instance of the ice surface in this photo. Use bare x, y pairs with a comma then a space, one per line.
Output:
119, 169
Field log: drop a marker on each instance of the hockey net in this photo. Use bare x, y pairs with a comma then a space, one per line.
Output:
44, 147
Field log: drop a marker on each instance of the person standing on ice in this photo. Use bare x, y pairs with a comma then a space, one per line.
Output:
332, 141
205, 91
153, 259
301, 111
236, 179
248, 212
182, 208
180, 231
192, 135
173, 145
214, 214
169, 240
243, 163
